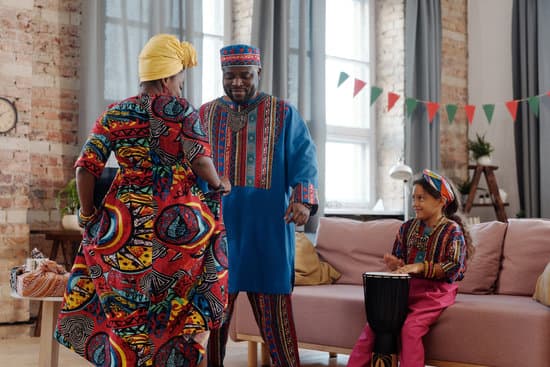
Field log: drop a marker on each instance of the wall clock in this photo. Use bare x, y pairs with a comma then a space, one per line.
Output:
8, 115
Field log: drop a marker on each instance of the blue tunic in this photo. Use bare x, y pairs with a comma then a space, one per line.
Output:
265, 149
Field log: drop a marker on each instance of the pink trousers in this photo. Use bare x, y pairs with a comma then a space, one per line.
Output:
427, 299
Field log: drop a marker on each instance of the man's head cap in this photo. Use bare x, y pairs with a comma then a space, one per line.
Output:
240, 55
164, 56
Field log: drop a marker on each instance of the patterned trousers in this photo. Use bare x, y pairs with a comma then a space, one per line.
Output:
427, 300
273, 314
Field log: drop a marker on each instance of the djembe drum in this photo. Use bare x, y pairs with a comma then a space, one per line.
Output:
386, 297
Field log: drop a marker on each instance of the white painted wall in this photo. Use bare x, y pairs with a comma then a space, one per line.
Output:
490, 81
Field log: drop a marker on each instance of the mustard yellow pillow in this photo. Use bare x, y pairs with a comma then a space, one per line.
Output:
308, 268
542, 290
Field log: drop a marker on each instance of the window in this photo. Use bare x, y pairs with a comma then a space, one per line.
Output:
350, 170
128, 24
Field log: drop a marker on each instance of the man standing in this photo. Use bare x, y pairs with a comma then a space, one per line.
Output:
263, 145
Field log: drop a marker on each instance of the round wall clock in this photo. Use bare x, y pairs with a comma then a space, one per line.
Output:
8, 115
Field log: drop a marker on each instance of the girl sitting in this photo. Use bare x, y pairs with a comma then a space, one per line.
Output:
432, 248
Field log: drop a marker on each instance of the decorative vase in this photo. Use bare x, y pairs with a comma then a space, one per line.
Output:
484, 160
70, 222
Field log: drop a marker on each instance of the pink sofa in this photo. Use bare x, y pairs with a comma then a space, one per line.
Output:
494, 322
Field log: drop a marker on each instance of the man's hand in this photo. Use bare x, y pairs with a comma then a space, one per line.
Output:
297, 213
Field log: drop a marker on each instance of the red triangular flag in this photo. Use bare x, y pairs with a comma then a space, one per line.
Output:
432, 109
512, 108
392, 98
359, 84
470, 111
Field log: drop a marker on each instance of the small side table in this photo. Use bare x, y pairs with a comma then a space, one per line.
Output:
49, 348
66, 239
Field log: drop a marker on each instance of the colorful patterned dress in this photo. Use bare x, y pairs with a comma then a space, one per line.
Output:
265, 149
150, 274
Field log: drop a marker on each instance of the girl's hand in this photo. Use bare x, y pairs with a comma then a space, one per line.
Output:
392, 262
416, 268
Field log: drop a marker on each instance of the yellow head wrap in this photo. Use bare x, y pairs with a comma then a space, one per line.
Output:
164, 56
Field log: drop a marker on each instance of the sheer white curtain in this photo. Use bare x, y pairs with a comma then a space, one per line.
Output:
113, 33
291, 37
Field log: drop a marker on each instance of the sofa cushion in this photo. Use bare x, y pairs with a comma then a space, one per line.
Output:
525, 253
353, 247
482, 269
491, 330
308, 268
542, 290
325, 315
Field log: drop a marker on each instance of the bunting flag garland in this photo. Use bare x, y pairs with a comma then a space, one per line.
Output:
489, 109
392, 98
375, 92
512, 107
470, 111
343, 77
451, 108
359, 84
432, 110
451, 112
534, 105
411, 105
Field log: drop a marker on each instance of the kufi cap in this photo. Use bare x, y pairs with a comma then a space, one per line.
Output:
240, 55
163, 56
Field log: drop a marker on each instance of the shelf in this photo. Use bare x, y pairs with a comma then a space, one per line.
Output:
494, 195
490, 204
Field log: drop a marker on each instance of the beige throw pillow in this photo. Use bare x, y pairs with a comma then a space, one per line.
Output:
542, 289
308, 269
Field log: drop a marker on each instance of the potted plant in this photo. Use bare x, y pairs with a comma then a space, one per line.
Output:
481, 150
464, 189
67, 203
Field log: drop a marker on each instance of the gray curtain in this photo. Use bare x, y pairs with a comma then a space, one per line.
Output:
531, 73
123, 42
290, 51
422, 81
544, 122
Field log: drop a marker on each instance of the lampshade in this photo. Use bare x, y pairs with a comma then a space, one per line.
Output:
401, 171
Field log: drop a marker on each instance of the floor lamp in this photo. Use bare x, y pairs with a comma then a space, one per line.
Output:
401, 171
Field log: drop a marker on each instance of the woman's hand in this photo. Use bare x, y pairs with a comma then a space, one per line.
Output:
297, 213
416, 268
392, 262
226, 185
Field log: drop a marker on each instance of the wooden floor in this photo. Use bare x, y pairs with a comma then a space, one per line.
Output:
23, 352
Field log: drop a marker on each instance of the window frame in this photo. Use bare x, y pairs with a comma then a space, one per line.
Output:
364, 136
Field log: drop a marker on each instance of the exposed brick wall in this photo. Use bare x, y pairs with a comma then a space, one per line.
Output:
39, 54
242, 20
454, 88
390, 75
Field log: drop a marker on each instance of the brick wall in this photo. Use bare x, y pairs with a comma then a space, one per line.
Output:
454, 88
390, 75
242, 21
39, 54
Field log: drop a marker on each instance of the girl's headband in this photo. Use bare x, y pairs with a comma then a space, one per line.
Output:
440, 184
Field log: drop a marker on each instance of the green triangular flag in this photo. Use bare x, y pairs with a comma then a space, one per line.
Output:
375, 92
451, 112
534, 104
411, 105
489, 109
343, 77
